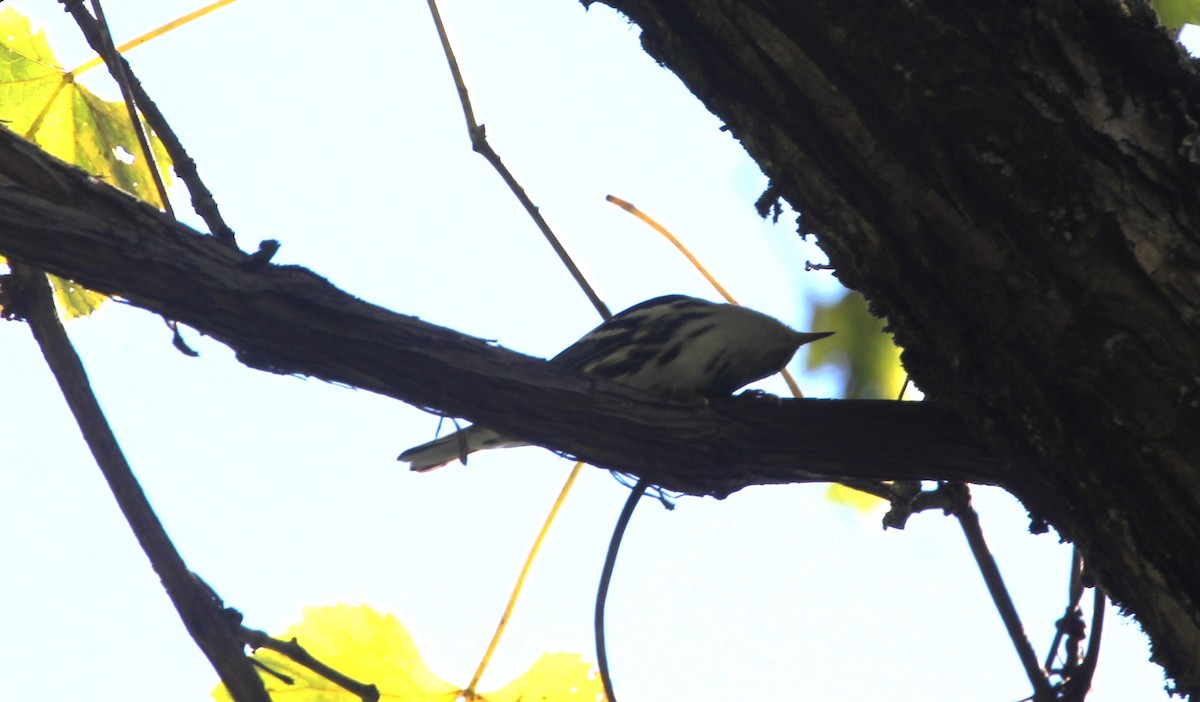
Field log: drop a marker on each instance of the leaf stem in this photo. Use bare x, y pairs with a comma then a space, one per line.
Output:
520, 584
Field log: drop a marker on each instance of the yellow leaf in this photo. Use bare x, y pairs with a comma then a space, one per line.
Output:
374, 648
857, 500
73, 299
561, 677
42, 102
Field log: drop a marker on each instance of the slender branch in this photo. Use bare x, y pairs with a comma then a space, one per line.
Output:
610, 562
117, 70
1071, 612
207, 621
1075, 633
1077, 671
299, 655
955, 498
185, 167
1079, 684
968, 518
481, 146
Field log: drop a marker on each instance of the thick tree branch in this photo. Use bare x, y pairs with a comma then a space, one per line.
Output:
1014, 186
289, 320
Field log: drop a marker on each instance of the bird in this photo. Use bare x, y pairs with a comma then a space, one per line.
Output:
674, 345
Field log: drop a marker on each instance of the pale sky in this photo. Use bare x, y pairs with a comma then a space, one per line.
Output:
335, 129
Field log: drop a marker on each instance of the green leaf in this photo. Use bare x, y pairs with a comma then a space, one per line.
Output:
1176, 13
866, 355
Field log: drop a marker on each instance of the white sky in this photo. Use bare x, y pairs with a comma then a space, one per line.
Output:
335, 129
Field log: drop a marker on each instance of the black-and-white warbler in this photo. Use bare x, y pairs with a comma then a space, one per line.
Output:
672, 345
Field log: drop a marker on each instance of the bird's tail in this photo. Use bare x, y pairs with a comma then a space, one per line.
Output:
458, 445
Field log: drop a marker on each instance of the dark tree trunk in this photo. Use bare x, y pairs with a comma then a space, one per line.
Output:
1013, 185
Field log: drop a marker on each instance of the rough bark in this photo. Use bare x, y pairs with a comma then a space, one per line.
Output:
1013, 185
286, 319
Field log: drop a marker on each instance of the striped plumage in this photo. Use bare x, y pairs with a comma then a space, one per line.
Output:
671, 345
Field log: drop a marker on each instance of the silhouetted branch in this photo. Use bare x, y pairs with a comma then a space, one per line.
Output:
28, 294
202, 198
296, 653
969, 519
287, 319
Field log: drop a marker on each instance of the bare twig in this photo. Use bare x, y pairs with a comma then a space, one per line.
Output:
1070, 620
968, 518
29, 296
1077, 671
185, 167
1077, 687
115, 67
610, 562
298, 654
955, 498
480, 144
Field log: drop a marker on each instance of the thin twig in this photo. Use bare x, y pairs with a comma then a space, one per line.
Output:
481, 146
1077, 687
1070, 613
610, 562
968, 518
292, 650
109, 53
1077, 671
185, 167
204, 616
